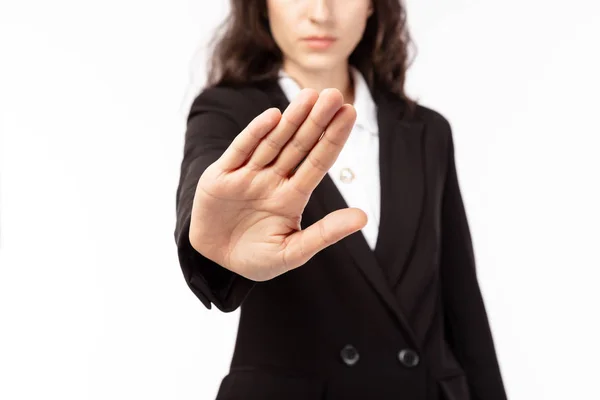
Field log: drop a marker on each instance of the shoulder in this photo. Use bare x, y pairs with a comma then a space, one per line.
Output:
432, 118
241, 103
435, 122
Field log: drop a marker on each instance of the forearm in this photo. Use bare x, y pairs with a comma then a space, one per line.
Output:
210, 130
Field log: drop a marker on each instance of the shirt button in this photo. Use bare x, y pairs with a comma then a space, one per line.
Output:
347, 175
349, 355
409, 358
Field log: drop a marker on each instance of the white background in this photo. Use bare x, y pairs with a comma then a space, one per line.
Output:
93, 98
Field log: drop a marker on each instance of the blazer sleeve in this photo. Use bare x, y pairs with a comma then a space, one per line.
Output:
211, 127
467, 326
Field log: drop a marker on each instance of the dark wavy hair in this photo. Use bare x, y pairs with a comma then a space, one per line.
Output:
243, 50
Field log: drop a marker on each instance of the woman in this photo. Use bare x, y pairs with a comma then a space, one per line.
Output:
338, 226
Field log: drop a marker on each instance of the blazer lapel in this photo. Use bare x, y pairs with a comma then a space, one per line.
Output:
401, 196
402, 185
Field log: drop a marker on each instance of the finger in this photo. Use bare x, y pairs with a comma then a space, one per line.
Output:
326, 107
246, 141
323, 155
293, 117
303, 245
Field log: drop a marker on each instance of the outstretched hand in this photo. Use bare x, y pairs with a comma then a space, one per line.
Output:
249, 203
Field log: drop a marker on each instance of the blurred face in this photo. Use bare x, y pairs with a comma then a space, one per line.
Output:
318, 35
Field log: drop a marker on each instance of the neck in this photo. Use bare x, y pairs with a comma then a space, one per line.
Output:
338, 78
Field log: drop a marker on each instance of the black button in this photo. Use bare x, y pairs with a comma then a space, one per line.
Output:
408, 358
349, 355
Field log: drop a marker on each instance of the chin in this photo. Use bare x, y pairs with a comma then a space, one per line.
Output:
320, 62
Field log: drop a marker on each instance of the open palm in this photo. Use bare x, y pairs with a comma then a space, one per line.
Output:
248, 204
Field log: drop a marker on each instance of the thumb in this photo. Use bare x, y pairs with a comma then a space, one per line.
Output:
335, 226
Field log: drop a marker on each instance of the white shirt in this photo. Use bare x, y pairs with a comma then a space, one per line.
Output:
356, 170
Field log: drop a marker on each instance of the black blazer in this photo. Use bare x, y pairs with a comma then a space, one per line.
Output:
406, 321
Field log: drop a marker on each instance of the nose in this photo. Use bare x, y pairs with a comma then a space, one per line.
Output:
319, 11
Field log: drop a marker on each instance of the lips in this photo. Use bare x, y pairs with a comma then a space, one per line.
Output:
319, 42
321, 38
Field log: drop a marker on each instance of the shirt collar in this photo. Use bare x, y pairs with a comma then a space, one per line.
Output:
366, 108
